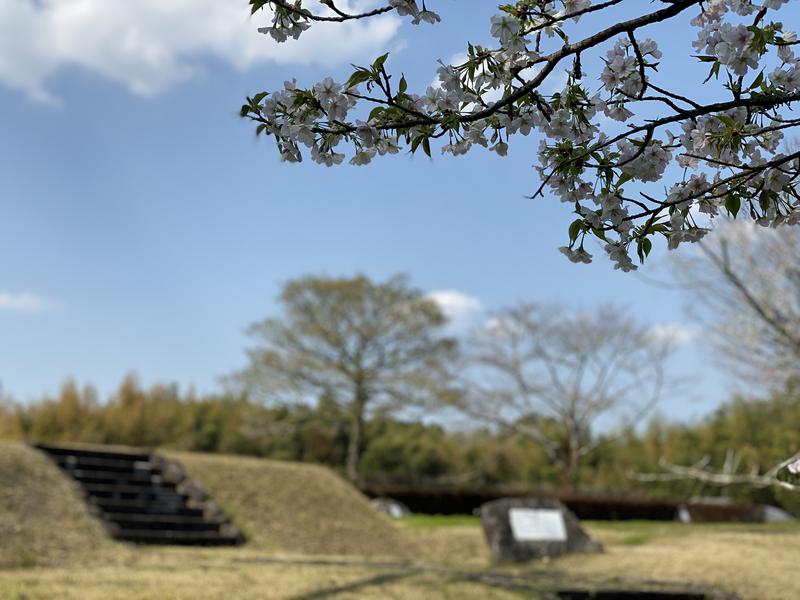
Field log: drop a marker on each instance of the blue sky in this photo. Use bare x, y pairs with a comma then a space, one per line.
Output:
144, 227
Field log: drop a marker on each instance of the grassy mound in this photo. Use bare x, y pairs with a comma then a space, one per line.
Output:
296, 508
286, 508
43, 520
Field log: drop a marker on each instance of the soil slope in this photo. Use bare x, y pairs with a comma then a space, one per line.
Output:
295, 508
43, 520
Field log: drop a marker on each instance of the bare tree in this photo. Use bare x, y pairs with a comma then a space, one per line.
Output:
744, 282
554, 376
745, 285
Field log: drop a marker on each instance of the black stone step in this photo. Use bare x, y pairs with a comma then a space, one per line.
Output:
70, 463
165, 501
142, 507
111, 477
133, 487
188, 538
163, 522
166, 519
127, 492
94, 453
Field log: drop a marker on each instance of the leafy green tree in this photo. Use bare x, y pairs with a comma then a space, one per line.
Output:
12, 422
411, 453
72, 416
365, 345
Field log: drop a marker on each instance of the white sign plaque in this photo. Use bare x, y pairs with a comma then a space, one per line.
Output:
537, 525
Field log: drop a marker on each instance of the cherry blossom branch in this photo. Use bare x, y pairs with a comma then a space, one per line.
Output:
700, 472
572, 49
549, 21
307, 14
748, 172
649, 128
579, 163
550, 63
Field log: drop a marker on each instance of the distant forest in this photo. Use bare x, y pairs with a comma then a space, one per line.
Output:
397, 451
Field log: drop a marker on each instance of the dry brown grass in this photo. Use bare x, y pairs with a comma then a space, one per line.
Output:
759, 564
292, 511
195, 575
296, 508
43, 520
756, 562
454, 546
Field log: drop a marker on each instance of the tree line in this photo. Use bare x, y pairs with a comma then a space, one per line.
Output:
346, 370
412, 452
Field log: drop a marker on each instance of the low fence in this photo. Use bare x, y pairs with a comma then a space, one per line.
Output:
442, 501
448, 501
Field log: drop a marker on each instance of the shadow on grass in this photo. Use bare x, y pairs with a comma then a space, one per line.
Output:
539, 586
355, 585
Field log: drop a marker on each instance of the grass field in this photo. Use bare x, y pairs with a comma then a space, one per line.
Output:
754, 562
316, 538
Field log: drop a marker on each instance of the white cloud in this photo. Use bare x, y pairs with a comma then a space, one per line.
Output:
558, 82
24, 302
461, 309
459, 58
676, 333
150, 45
455, 60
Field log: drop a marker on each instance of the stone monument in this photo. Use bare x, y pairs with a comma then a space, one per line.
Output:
520, 529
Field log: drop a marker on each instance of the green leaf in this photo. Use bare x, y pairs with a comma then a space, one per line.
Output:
732, 204
256, 5
375, 113
643, 247
714, 72
359, 76
378, 64
726, 120
623, 179
575, 229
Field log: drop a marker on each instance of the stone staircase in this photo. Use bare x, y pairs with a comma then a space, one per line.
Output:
144, 498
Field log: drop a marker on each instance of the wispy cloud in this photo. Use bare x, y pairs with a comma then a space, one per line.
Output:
461, 309
24, 302
678, 334
151, 45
